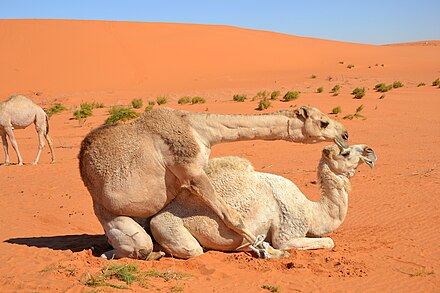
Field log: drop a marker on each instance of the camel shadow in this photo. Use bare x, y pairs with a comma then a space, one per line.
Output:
75, 243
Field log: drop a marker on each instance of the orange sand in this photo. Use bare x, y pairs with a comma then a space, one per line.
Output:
390, 239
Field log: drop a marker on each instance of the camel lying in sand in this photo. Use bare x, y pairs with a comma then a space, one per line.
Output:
134, 170
270, 205
20, 112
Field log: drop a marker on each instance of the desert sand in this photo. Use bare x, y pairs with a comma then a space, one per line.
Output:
49, 237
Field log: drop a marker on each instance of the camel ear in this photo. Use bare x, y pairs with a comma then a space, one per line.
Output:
304, 112
326, 152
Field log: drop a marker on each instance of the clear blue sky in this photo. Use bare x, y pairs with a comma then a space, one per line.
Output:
368, 21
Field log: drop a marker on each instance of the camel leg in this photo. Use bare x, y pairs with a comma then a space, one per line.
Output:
126, 236
49, 142
305, 243
169, 231
40, 132
5, 147
200, 186
14, 144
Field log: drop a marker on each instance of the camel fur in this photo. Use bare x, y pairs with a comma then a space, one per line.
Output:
270, 205
18, 112
134, 170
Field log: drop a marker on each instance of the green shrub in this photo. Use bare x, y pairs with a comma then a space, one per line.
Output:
397, 84
358, 93
161, 100
271, 288
356, 114
336, 110
82, 113
239, 98
274, 95
198, 100
263, 105
290, 96
261, 95
118, 113
57, 108
381, 87
184, 100
436, 82
335, 90
149, 108
320, 89
137, 103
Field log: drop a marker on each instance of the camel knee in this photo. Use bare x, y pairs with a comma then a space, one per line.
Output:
137, 245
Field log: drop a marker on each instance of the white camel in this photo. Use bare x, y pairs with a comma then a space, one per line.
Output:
18, 112
270, 205
134, 170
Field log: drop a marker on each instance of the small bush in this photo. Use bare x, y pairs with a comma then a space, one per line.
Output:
263, 105
198, 100
341, 62
184, 100
57, 108
239, 98
356, 114
436, 82
382, 97
358, 93
118, 113
148, 108
335, 90
336, 110
421, 84
350, 66
290, 96
137, 103
261, 95
381, 87
320, 89
397, 84
271, 288
161, 100
313, 76
274, 95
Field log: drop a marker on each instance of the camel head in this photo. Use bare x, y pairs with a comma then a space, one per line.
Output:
344, 160
317, 127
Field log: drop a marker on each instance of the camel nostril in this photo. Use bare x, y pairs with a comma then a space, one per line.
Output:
345, 136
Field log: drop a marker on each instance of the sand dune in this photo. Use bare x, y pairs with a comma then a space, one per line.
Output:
389, 241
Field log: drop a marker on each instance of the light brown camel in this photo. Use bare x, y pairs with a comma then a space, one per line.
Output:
18, 112
134, 170
270, 205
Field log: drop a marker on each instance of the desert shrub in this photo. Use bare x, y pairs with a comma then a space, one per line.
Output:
382, 97
271, 288
198, 100
274, 95
356, 114
290, 96
161, 100
397, 84
358, 93
335, 90
85, 110
313, 76
421, 84
239, 98
184, 100
263, 104
57, 108
381, 87
261, 95
148, 108
436, 82
137, 103
350, 66
336, 110
118, 113
341, 62
320, 89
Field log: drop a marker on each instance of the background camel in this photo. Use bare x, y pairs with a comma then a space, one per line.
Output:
135, 170
19, 112
270, 205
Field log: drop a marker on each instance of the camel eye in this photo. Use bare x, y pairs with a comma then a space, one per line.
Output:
324, 124
345, 154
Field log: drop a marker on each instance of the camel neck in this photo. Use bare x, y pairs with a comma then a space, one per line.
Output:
329, 212
217, 128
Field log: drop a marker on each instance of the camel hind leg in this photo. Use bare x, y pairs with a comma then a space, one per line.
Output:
126, 236
42, 127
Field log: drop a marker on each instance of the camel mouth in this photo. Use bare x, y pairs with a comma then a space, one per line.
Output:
342, 143
367, 161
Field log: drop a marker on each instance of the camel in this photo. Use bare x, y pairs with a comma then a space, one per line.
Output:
18, 112
134, 170
270, 205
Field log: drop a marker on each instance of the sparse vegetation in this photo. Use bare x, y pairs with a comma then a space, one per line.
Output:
320, 89
358, 93
381, 87
436, 82
149, 108
239, 98
341, 62
127, 273
335, 90
271, 288
70, 271
184, 100
421, 84
57, 108
290, 96
161, 100
137, 103
274, 95
85, 110
356, 114
350, 66
382, 97
118, 113
261, 95
198, 100
263, 104
313, 76
397, 84
336, 110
